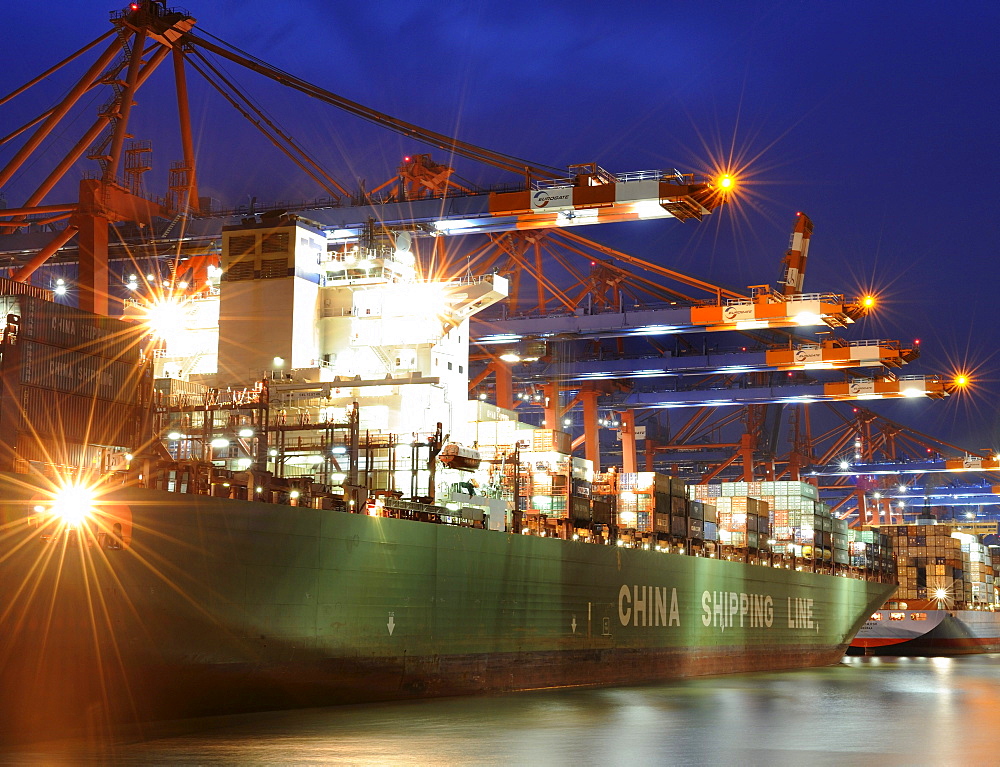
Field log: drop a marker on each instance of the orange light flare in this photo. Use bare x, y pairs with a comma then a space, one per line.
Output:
67, 513
969, 390
725, 183
737, 175
968, 374
74, 504
737, 180
960, 380
868, 301
880, 309
741, 157
163, 314
970, 384
59, 550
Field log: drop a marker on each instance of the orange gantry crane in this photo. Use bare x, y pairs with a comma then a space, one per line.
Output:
147, 32
530, 223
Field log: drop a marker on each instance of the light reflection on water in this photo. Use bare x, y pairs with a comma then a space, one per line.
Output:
885, 711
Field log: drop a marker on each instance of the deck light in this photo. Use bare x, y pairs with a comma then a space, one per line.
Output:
73, 503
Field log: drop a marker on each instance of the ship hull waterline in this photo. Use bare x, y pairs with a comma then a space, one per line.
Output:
219, 606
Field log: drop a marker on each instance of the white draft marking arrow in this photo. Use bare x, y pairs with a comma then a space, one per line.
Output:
391, 624
573, 624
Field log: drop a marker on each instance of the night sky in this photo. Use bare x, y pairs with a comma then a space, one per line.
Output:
879, 120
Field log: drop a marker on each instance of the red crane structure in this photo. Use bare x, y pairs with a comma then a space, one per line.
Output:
147, 32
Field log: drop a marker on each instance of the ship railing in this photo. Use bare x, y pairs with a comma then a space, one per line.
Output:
778, 298
673, 175
467, 280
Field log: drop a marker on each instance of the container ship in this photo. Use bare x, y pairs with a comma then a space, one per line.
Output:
947, 600
269, 489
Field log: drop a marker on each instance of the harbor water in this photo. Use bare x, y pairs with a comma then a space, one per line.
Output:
884, 711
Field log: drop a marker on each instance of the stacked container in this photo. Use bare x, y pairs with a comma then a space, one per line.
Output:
643, 500
937, 564
652, 502
74, 383
656, 504
978, 566
787, 513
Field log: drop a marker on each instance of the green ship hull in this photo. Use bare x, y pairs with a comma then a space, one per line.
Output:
219, 606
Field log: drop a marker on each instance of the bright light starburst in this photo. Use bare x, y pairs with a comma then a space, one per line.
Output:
165, 316
73, 503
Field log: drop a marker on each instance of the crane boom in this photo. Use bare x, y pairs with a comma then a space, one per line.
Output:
573, 201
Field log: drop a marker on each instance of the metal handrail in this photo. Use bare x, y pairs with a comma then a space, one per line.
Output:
636, 175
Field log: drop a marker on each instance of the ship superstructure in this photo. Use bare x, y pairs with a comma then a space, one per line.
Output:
365, 363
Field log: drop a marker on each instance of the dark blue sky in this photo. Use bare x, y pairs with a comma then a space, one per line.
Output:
878, 120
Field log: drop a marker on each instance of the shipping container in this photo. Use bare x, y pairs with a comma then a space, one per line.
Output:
175, 386
580, 511
601, 512
711, 513
55, 452
550, 440
86, 375
70, 328
678, 487
76, 419
661, 503
679, 526
695, 529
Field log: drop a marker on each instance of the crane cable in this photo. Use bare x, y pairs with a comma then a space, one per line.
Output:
461, 148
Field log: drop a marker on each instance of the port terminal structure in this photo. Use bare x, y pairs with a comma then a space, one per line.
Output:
578, 343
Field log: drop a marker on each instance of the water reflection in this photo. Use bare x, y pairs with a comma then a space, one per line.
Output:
885, 711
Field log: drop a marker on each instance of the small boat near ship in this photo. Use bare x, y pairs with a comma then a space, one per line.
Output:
947, 602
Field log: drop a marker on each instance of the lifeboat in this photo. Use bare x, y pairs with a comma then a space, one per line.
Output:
456, 456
